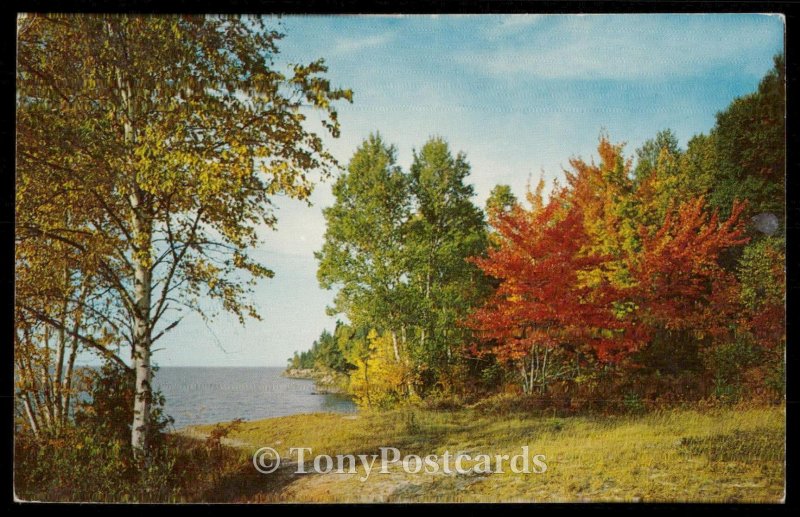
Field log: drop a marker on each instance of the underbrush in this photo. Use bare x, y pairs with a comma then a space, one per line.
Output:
80, 467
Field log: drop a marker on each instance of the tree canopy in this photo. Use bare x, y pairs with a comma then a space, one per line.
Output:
153, 145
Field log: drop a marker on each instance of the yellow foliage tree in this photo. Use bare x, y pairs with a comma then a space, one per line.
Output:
380, 379
165, 139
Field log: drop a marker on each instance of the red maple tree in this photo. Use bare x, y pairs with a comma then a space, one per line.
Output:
680, 284
541, 301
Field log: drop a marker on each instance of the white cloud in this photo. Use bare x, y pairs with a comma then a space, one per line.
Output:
601, 47
349, 44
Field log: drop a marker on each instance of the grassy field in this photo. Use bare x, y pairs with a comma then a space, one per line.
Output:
679, 455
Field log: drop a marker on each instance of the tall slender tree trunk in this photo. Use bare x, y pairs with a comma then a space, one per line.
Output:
534, 359
141, 334
32, 394
47, 399
66, 392
395, 347
366, 382
34, 423
544, 370
61, 351
66, 397
424, 333
142, 285
524, 373
59, 368
141, 226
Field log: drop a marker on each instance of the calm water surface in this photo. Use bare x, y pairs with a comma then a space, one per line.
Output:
196, 395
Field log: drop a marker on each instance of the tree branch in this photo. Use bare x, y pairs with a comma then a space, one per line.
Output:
105, 352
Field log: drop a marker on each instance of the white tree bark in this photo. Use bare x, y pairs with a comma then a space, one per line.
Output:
142, 290
141, 225
395, 348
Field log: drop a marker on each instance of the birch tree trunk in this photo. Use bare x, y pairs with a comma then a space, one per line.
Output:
395, 349
141, 334
142, 231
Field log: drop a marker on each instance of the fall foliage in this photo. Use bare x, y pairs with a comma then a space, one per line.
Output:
630, 273
149, 154
626, 266
576, 278
148, 151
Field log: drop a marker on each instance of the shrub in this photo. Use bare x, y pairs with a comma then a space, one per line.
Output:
82, 466
92, 461
727, 364
107, 411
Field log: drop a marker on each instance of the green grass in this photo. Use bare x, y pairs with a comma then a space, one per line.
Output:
677, 455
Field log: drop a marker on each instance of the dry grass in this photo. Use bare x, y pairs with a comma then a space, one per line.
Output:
734, 454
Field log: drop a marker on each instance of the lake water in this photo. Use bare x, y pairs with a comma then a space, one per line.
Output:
199, 395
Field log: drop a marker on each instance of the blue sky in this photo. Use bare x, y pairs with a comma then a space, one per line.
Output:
518, 94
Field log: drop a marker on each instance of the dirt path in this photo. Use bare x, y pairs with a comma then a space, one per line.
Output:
287, 485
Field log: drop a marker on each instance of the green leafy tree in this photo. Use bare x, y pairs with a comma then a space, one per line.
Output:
329, 354
446, 229
363, 255
674, 176
649, 154
324, 353
750, 137
501, 199
697, 164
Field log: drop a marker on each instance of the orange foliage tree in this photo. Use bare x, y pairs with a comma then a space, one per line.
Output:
581, 275
679, 282
542, 314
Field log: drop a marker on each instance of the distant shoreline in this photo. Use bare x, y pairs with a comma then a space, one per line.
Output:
325, 381
299, 373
